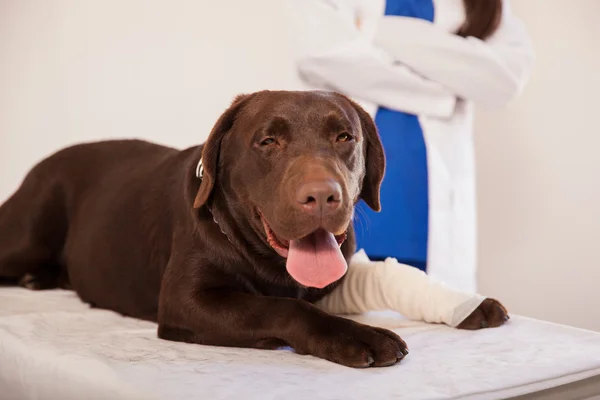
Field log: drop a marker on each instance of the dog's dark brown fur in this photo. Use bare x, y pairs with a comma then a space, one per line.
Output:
130, 228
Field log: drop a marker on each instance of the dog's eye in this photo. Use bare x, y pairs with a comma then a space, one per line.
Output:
268, 141
344, 137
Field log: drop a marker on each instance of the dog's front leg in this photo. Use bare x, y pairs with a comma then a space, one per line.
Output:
373, 286
224, 317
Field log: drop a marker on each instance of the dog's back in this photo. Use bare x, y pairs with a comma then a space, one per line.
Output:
85, 206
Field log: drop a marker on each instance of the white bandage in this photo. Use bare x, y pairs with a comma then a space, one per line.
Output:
389, 285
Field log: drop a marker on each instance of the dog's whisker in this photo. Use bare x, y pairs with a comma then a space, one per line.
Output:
361, 218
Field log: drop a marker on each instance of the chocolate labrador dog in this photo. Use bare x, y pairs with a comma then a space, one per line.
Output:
228, 252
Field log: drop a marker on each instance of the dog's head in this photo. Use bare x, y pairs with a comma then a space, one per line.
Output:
295, 164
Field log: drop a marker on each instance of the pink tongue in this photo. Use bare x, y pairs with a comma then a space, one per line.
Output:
316, 260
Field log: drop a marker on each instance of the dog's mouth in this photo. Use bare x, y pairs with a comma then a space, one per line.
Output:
282, 246
314, 260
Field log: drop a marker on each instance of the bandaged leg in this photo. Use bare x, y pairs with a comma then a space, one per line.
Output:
389, 285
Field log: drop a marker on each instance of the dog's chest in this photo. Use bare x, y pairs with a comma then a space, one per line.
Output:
294, 291
286, 289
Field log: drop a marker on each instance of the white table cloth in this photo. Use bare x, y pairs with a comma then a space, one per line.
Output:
53, 346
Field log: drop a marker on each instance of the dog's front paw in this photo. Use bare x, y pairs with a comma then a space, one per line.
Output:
355, 345
489, 314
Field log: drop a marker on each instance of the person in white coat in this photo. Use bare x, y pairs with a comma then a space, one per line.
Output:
418, 67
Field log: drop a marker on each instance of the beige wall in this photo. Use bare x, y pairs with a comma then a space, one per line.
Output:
539, 173
79, 70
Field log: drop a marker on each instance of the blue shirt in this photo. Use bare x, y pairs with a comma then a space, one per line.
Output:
400, 230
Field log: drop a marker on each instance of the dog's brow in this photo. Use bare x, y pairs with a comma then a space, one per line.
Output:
335, 122
278, 125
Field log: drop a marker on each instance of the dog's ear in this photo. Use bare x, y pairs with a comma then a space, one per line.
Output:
212, 148
374, 160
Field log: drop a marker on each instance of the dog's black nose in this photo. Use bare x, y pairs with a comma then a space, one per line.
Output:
319, 197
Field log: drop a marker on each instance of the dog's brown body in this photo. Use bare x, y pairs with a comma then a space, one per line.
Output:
129, 226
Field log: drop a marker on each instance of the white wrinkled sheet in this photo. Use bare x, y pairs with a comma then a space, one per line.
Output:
52, 346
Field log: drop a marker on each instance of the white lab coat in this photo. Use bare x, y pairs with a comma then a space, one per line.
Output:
414, 66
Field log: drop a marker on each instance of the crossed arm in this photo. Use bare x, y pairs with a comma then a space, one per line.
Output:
410, 64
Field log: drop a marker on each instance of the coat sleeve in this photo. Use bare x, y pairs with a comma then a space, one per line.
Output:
490, 73
333, 54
